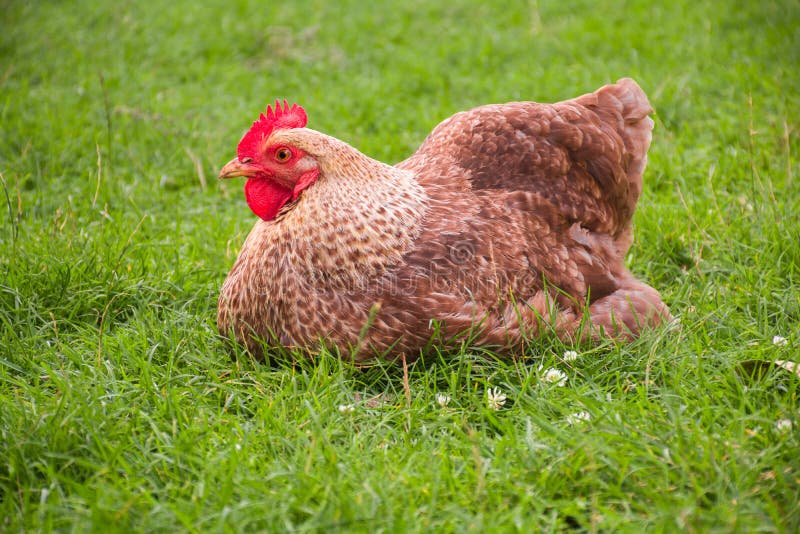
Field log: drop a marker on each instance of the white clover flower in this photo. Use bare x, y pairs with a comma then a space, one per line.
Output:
783, 425
580, 417
442, 400
495, 398
554, 376
780, 341
570, 355
346, 408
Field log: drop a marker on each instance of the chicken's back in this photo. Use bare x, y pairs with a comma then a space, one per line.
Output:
585, 155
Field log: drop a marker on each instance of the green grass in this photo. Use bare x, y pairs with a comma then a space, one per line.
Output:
121, 409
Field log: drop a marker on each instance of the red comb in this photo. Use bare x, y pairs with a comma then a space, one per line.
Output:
285, 117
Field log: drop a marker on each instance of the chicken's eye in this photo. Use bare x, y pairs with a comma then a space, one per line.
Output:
283, 154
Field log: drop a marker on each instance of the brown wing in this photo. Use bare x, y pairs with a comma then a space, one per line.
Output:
480, 253
585, 155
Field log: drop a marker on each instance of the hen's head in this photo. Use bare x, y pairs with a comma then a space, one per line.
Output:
276, 171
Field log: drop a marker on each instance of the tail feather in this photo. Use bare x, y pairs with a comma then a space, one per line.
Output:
628, 99
629, 103
638, 130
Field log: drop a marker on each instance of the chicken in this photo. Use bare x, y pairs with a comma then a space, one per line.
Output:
511, 221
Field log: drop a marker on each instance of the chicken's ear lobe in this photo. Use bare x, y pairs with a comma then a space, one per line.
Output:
305, 180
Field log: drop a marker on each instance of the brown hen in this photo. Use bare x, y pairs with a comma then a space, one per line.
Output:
510, 221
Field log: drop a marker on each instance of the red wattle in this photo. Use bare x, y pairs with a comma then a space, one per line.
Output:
265, 197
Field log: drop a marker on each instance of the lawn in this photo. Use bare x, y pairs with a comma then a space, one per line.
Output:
122, 410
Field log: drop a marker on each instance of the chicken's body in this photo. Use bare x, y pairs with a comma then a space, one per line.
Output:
509, 221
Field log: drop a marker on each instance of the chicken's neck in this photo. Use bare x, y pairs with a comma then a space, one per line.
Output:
360, 217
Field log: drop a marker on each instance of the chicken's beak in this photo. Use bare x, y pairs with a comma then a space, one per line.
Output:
235, 168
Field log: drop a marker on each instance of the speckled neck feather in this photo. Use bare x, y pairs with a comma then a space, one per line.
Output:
360, 215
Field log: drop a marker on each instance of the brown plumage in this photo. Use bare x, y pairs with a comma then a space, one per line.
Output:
510, 221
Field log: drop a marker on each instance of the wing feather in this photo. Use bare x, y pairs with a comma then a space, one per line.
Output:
585, 155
